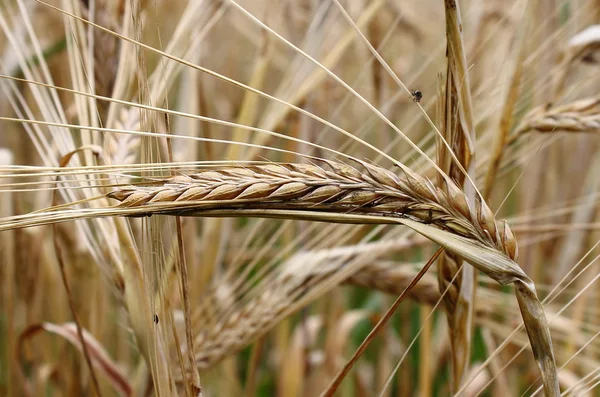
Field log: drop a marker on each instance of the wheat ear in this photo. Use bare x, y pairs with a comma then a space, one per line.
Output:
578, 116
309, 187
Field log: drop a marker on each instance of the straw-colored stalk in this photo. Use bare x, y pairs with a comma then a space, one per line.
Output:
453, 274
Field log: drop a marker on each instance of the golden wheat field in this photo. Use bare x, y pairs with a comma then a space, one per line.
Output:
299, 198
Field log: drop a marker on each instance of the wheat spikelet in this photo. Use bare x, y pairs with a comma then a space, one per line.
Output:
578, 116
309, 187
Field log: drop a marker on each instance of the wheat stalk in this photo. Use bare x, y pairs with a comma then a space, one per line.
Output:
458, 129
309, 187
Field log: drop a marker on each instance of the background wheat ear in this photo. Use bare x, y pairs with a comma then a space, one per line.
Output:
579, 116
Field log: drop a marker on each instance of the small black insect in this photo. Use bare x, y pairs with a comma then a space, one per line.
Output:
155, 319
416, 95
